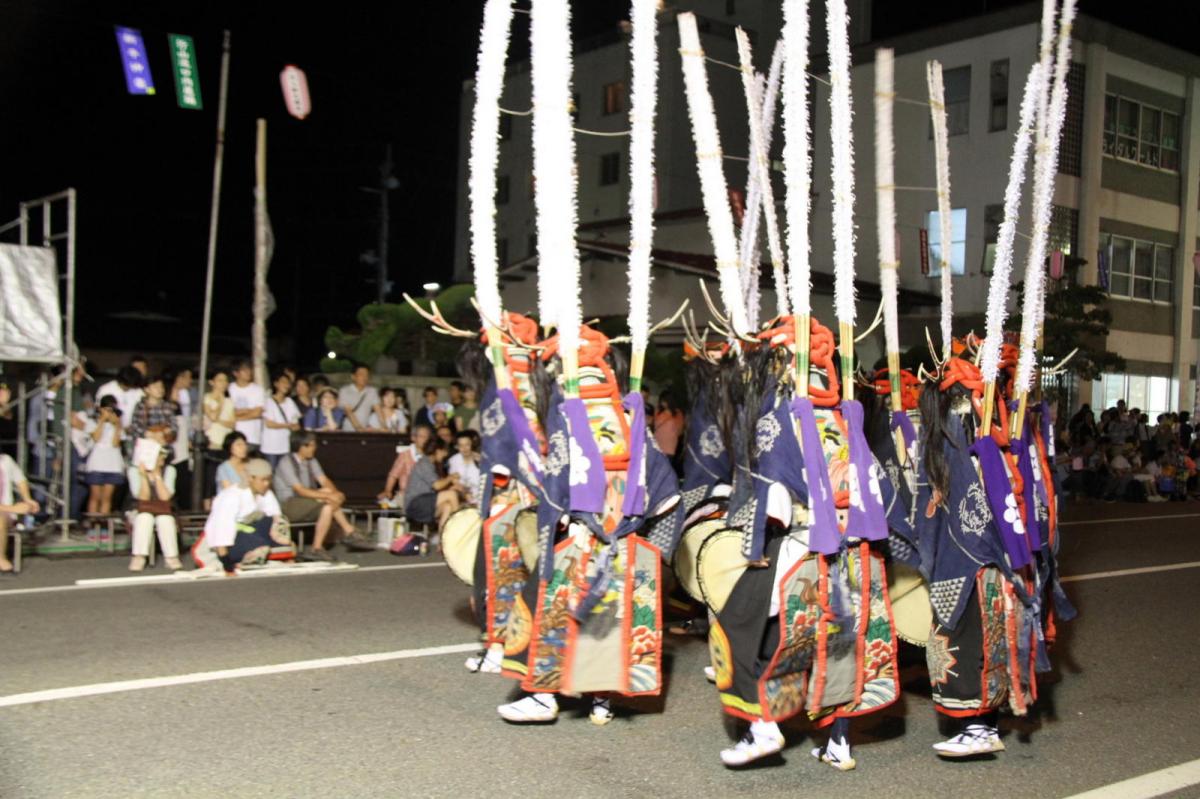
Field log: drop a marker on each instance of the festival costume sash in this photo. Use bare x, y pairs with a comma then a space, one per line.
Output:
1005, 513
634, 503
823, 535
587, 480
867, 520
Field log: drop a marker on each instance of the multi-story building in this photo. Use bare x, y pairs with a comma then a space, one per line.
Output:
1126, 199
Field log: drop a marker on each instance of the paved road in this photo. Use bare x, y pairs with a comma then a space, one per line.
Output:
1122, 701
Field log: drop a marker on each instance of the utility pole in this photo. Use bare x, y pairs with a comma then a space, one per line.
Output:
379, 258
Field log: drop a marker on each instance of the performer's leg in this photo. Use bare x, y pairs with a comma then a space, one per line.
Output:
978, 735
762, 739
837, 751
601, 711
531, 708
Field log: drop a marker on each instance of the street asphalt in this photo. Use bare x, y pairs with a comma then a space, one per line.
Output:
1123, 700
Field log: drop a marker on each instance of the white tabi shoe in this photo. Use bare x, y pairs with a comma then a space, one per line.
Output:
976, 739
710, 674
485, 661
761, 740
532, 709
601, 712
836, 754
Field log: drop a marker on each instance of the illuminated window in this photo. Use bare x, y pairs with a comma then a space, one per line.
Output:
958, 242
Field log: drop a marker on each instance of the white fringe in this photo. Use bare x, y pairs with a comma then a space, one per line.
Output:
941, 148
842, 137
999, 285
748, 240
485, 153
712, 172
885, 193
797, 166
643, 103
1045, 169
554, 170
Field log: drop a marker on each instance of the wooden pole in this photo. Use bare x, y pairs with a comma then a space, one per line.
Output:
262, 257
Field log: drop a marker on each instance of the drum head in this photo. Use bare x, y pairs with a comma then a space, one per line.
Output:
688, 552
527, 537
460, 543
911, 609
720, 566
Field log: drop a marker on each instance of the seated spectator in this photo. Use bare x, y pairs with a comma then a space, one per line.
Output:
464, 464
359, 400
15, 500
326, 416
445, 434
105, 464
1120, 475
425, 412
306, 494
152, 492
1146, 474
465, 411
402, 466
281, 418
245, 524
302, 394
232, 472
154, 415
431, 495
388, 418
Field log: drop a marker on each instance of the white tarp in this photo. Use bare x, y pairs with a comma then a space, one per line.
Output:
30, 322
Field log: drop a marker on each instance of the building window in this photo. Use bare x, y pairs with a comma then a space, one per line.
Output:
505, 127
502, 190
1064, 229
614, 97
502, 252
610, 169
1140, 270
957, 84
998, 118
958, 242
993, 217
1141, 134
1150, 395
1070, 141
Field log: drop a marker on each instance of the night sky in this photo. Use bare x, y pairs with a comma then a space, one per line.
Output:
378, 74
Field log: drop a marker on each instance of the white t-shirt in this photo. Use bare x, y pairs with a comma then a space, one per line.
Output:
250, 395
105, 457
229, 507
12, 476
277, 441
468, 476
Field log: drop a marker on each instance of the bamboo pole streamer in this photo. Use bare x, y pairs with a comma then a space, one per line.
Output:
941, 148
485, 154
797, 171
264, 245
712, 175
842, 139
644, 44
554, 171
999, 285
1045, 169
760, 166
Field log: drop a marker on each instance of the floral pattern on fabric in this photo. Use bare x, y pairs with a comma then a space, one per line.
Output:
880, 686
645, 635
995, 677
784, 685
508, 572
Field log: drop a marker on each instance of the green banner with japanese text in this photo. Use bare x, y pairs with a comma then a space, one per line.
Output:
187, 77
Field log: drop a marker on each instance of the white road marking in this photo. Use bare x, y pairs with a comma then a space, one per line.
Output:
1156, 783
1118, 520
97, 689
1195, 564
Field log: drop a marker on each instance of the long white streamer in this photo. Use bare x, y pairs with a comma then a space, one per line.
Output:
554, 170
713, 187
748, 241
998, 287
485, 153
643, 101
941, 148
885, 193
1045, 168
842, 138
797, 165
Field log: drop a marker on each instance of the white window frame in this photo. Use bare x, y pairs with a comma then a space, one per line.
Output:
1111, 152
934, 233
1129, 271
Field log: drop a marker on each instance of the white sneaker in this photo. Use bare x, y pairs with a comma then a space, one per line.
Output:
137, 563
484, 662
761, 740
976, 739
601, 712
836, 754
174, 564
710, 674
535, 708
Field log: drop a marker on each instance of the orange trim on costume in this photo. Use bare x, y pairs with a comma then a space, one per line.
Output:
761, 683
578, 585
638, 541
822, 660
860, 642
962, 714
1014, 661
627, 626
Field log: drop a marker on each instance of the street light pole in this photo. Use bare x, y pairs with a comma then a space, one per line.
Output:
385, 179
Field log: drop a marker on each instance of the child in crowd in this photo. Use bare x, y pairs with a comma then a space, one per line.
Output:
105, 464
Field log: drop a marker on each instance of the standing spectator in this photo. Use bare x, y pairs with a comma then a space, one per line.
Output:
139, 363
464, 465
326, 416
359, 400
402, 466
431, 495
152, 492
455, 393
1186, 431
218, 422
1083, 425
302, 395
389, 418
127, 389
179, 391
154, 416
1165, 433
232, 472
105, 465
425, 412
280, 419
308, 495
249, 401
464, 412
